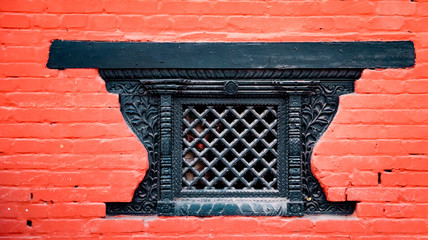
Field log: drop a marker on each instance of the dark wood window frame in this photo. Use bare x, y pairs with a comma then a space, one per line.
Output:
152, 78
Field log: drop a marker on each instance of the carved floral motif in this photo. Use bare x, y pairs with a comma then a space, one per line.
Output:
142, 116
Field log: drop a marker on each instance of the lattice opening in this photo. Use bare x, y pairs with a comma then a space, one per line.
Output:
229, 147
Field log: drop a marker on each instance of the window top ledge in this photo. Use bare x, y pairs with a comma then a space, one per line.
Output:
231, 55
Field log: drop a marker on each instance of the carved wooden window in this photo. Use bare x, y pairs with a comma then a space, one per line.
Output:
230, 127
229, 149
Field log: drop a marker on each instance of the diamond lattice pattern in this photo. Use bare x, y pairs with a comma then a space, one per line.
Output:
230, 147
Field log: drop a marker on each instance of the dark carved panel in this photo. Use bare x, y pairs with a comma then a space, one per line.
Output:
319, 108
243, 207
141, 113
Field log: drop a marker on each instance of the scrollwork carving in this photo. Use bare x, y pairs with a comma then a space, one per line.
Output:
319, 108
125, 87
142, 117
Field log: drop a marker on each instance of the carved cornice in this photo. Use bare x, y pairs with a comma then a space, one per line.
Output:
245, 82
206, 74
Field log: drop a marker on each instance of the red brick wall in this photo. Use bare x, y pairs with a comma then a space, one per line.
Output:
65, 149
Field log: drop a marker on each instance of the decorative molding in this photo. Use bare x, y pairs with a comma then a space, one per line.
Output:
294, 153
230, 88
282, 82
206, 74
125, 87
239, 207
166, 154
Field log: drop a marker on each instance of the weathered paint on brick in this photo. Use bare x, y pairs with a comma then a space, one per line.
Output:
65, 149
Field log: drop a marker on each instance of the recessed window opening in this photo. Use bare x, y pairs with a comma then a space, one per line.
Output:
230, 147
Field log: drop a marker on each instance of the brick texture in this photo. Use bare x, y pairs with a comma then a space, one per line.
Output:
65, 149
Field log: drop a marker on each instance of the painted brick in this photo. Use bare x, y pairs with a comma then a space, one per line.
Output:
65, 149
103, 22
349, 8
379, 86
22, 54
74, 21
73, 6
335, 194
92, 210
340, 226
193, 8
382, 101
19, 38
64, 194
230, 225
213, 22
15, 21
405, 179
399, 226
387, 237
46, 21
422, 9
26, 70
349, 23
294, 8
59, 226
279, 225
361, 147
159, 22
9, 178
361, 178
336, 179
13, 226
373, 194
418, 25
131, 23
406, 210
115, 225
383, 117
412, 162
108, 194
416, 86
132, 7
185, 22
22, 6
415, 194
15, 194
370, 209
386, 23
264, 24
239, 8
396, 8
380, 131
33, 211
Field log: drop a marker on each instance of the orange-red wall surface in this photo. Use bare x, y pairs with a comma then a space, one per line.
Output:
65, 148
